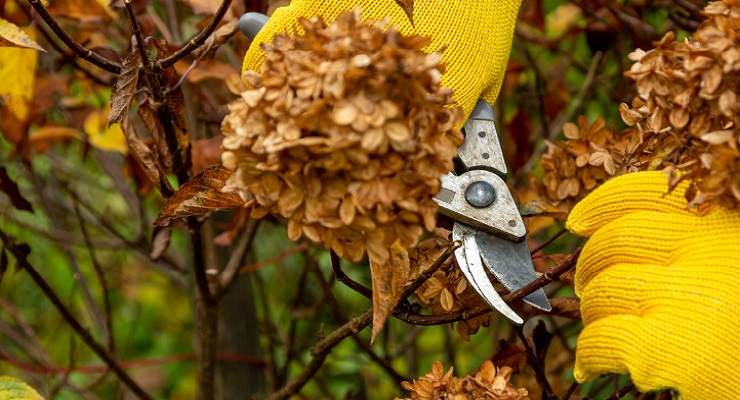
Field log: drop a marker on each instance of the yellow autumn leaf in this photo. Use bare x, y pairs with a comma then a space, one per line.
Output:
102, 136
17, 73
15, 389
562, 18
13, 36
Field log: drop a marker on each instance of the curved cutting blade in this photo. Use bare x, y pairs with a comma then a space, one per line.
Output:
468, 257
511, 263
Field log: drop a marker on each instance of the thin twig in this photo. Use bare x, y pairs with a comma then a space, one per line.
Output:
622, 392
556, 127
104, 292
20, 252
201, 278
320, 352
339, 316
424, 276
231, 270
72, 59
549, 241
345, 279
290, 344
354, 326
197, 40
136, 30
82, 52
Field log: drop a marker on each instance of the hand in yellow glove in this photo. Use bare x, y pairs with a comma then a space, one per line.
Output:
660, 289
476, 36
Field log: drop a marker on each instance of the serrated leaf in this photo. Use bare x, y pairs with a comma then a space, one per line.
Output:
10, 188
15, 389
408, 8
200, 195
125, 87
12, 36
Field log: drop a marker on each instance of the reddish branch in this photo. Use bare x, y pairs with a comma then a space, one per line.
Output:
20, 252
542, 281
82, 52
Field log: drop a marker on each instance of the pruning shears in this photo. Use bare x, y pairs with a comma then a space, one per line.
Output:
486, 219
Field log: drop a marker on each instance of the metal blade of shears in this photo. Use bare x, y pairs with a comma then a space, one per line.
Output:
468, 257
511, 264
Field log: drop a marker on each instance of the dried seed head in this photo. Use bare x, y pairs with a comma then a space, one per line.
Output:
685, 117
345, 132
687, 105
489, 383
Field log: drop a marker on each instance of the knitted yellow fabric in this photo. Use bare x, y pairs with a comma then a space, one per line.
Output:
660, 289
476, 36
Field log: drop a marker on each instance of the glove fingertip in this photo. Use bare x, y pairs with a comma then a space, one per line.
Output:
582, 220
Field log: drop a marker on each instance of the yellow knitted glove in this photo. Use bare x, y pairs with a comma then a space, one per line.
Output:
476, 36
660, 289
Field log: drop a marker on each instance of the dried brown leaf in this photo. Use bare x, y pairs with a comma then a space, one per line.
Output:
200, 195
389, 278
146, 158
125, 87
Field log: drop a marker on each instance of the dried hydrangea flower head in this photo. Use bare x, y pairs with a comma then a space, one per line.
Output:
345, 133
688, 102
590, 154
685, 117
489, 383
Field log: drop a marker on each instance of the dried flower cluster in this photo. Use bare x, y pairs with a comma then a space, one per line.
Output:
446, 290
591, 154
489, 383
688, 103
684, 117
345, 133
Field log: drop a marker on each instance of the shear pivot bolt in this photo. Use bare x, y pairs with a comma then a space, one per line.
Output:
480, 194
